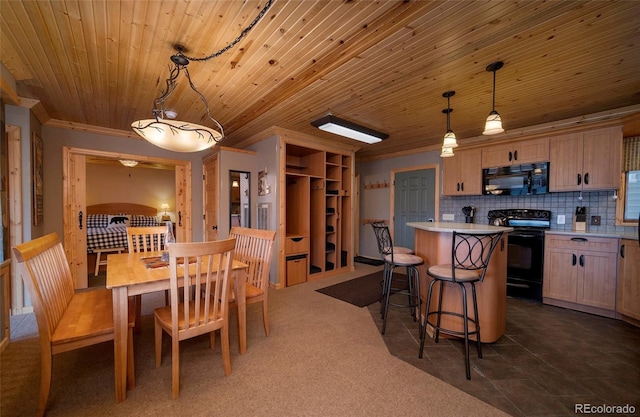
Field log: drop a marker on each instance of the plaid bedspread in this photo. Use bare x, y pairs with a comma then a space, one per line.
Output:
106, 238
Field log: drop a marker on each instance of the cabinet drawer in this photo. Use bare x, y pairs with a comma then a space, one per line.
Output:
298, 244
581, 242
296, 270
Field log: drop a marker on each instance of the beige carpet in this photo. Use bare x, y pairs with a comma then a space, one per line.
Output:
324, 357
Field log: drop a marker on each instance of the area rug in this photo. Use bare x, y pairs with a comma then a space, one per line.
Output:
368, 261
361, 291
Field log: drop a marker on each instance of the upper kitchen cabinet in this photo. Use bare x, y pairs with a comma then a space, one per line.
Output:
588, 160
516, 153
462, 173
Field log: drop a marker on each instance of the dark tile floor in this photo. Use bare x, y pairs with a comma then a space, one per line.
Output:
549, 360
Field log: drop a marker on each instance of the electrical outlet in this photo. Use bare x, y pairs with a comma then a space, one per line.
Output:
595, 220
449, 217
560, 219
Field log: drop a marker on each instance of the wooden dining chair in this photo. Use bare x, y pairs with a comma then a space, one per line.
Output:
145, 239
207, 271
254, 248
67, 319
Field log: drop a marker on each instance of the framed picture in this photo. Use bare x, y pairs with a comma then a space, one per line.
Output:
263, 187
37, 174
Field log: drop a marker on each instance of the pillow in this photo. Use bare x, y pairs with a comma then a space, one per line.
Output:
97, 220
145, 221
118, 220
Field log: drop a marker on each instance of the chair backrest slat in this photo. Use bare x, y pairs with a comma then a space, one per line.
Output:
199, 268
254, 248
145, 238
46, 274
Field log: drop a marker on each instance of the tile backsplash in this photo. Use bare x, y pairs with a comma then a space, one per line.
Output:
598, 203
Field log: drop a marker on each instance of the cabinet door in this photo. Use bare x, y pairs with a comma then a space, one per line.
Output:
602, 157
497, 156
560, 274
597, 279
471, 172
565, 162
629, 280
451, 175
530, 151
462, 173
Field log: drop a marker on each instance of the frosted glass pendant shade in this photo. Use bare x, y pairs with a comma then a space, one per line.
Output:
493, 125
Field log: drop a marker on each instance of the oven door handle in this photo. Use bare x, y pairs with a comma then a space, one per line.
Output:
525, 235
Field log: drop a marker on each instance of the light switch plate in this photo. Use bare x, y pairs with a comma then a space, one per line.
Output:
449, 217
560, 219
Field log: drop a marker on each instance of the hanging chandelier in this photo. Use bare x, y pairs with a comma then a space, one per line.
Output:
181, 136
449, 141
493, 125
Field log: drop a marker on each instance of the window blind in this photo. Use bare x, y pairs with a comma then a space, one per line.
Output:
631, 154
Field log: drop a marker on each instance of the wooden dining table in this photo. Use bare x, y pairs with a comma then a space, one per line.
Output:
131, 274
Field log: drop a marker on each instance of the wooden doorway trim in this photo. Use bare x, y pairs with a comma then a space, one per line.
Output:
74, 203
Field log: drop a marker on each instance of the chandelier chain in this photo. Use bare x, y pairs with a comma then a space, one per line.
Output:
236, 40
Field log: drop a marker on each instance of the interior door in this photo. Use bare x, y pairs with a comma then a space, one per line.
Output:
210, 198
414, 200
74, 203
75, 236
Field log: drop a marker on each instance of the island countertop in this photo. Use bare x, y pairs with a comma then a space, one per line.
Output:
459, 227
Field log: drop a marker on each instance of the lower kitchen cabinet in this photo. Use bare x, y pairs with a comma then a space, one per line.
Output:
629, 279
580, 272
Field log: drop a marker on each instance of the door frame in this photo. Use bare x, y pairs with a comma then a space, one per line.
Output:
75, 204
435, 167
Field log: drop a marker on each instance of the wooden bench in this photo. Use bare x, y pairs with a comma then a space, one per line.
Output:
67, 319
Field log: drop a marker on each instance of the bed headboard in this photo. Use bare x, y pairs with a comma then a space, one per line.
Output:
124, 208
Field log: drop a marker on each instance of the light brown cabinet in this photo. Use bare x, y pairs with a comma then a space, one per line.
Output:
580, 272
462, 173
516, 153
588, 160
629, 279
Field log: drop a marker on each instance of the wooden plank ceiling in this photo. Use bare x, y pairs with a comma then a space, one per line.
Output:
384, 64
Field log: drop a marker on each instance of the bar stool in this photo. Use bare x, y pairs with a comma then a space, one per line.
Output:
392, 260
397, 250
470, 255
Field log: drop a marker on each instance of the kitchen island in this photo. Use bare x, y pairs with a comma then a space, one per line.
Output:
433, 244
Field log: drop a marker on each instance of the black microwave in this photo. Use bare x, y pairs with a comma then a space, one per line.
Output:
526, 179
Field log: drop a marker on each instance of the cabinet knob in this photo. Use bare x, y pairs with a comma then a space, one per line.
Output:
574, 260
515, 155
586, 178
510, 156
579, 179
622, 251
581, 260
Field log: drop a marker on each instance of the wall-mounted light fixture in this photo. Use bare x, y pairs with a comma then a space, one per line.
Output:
338, 126
129, 163
493, 125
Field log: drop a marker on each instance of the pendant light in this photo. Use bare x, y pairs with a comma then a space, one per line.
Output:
493, 124
184, 136
449, 142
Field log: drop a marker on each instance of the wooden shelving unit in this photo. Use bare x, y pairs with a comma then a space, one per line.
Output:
318, 218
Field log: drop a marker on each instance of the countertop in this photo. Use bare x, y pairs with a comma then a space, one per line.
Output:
458, 227
614, 235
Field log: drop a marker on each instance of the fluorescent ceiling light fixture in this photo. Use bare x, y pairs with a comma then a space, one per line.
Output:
130, 163
348, 129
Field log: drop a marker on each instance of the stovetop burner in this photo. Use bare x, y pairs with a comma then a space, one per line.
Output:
521, 218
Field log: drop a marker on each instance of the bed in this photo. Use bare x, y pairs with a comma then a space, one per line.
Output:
107, 224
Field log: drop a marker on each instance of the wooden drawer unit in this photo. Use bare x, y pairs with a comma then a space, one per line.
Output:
296, 244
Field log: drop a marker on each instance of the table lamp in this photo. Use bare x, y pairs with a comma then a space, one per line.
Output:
165, 217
